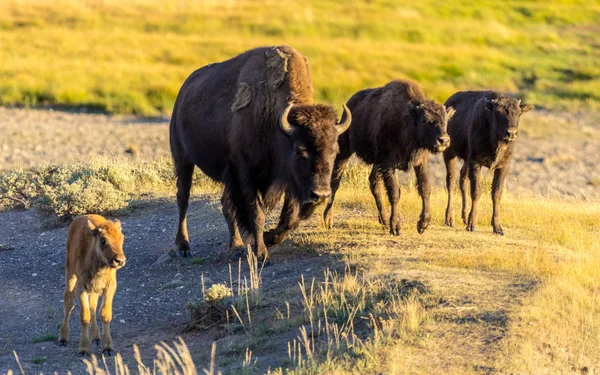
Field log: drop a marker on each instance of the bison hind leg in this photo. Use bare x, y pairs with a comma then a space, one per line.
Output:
184, 184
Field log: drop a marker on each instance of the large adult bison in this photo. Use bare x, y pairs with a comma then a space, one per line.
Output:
393, 127
482, 133
250, 123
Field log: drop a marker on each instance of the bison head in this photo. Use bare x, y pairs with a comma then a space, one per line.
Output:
314, 131
431, 122
108, 243
503, 116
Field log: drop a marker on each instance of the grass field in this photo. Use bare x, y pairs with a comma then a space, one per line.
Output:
132, 56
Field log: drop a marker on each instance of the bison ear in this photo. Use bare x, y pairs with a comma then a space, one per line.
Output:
450, 112
526, 108
489, 105
117, 224
243, 97
91, 227
413, 108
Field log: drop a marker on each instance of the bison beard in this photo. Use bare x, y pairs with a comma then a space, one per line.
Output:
235, 121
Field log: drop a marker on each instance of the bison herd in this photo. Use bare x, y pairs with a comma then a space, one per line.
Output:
250, 123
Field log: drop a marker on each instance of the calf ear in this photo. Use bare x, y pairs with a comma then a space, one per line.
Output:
450, 112
117, 224
92, 228
526, 108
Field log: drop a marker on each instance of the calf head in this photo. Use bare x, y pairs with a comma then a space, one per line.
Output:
108, 243
503, 116
314, 131
431, 123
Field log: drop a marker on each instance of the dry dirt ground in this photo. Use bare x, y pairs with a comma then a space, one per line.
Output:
150, 305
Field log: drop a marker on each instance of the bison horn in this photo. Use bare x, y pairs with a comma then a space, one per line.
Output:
343, 126
285, 125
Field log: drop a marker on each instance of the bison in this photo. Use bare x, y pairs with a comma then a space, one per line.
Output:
393, 127
94, 253
250, 122
482, 133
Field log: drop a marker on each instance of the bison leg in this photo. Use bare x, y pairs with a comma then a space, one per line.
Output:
424, 188
69, 299
94, 331
184, 184
106, 317
497, 188
464, 180
84, 317
376, 185
393, 191
475, 177
236, 243
338, 171
289, 220
450, 162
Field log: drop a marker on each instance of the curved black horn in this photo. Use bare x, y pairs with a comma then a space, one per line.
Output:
343, 126
286, 127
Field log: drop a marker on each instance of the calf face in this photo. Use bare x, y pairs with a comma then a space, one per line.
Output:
431, 121
108, 243
503, 115
314, 132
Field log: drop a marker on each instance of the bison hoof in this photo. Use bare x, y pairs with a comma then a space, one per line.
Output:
62, 343
471, 228
328, 221
395, 231
108, 352
421, 226
96, 341
84, 353
184, 253
449, 222
381, 220
263, 263
238, 253
499, 231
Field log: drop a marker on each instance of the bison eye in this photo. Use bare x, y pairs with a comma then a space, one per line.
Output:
302, 152
102, 241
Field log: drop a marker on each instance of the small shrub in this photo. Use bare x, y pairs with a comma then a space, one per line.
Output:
217, 292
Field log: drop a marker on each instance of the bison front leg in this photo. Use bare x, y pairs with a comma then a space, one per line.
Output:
393, 191
376, 185
497, 189
336, 177
84, 318
424, 188
236, 244
69, 299
475, 177
450, 162
184, 184
464, 181
289, 220
106, 317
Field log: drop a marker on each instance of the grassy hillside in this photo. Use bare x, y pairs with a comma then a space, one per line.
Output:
131, 57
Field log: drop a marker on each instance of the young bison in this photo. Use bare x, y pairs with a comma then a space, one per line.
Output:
482, 133
94, 253
393, 127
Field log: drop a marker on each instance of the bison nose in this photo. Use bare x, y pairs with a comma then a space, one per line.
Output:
319, 195
118, 261
444, 141
511, 133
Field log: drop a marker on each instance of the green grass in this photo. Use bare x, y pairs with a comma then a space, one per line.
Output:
38, 360
126, 57
45, 338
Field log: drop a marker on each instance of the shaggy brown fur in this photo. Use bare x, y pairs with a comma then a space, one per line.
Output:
393, 127
226, 121
94, 253
482, 133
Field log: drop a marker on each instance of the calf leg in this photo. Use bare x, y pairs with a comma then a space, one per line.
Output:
450, 162
69, 298
84, 317
497, 189
475, 177
424, 188
106, 317
376, 185
393, 190
184, 184
464, 180
94, 331
289, 220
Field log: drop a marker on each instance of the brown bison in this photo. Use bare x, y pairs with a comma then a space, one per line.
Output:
94, 253
482, 133
393, 127
250, 122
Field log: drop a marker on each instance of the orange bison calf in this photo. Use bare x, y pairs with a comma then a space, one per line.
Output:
94, 253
